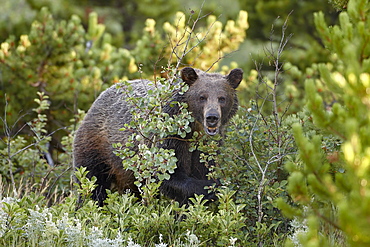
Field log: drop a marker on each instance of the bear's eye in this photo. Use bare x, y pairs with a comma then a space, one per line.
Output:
221, 100
202, 98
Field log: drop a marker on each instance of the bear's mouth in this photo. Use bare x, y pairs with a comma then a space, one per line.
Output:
211, 130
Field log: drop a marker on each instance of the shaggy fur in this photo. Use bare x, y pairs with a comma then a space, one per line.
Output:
212, 100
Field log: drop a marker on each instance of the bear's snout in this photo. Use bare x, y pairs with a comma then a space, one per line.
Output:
212, 122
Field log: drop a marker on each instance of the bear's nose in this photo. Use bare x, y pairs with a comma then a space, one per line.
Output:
212, 119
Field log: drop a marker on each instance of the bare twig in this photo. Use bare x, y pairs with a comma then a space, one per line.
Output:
281, 144
186, 49
184, 41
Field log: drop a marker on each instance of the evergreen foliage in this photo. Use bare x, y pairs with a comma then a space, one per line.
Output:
62, 60
330, 182
73, 65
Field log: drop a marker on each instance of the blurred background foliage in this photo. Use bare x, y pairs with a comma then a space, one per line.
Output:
125, 20
127, 35
74, 50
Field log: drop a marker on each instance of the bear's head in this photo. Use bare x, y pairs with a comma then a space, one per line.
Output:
211, 97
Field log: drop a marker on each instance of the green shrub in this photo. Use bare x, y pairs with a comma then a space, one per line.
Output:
28, 222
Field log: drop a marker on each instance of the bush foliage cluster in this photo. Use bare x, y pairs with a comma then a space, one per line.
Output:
294, 165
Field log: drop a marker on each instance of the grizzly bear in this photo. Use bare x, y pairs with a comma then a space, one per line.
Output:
212, 101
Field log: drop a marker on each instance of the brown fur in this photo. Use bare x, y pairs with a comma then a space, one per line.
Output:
211, 99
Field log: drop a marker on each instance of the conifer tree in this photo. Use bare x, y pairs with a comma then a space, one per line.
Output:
330, 186
63, 60
73, 65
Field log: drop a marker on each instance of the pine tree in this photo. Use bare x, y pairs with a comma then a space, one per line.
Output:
63, 60
330, 185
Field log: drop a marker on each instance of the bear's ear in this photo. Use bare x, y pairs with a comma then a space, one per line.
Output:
235, 77
188, 75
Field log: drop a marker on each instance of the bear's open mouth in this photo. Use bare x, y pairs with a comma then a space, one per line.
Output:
211, 130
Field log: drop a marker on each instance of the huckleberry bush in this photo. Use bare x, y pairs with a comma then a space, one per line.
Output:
151, 126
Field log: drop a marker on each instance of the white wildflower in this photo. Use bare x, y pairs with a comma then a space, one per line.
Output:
35, 224
160, 242
298, 227
3, 222
192, 239
232, 241
131, 243
72, 228
8, 200
50, 226
96, 239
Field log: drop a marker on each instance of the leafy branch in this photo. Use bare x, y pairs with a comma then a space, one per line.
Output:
36, 127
